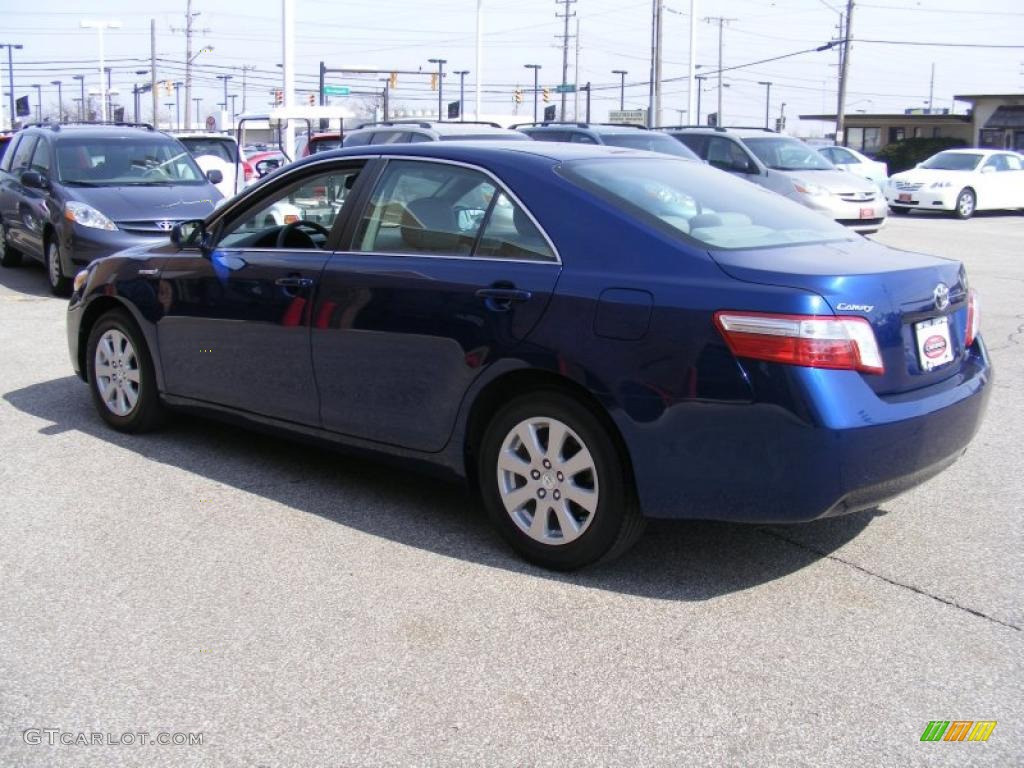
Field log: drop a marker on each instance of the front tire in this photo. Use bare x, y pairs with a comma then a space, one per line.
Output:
9, 257
121, 376
966, 204
60, 284
555, 485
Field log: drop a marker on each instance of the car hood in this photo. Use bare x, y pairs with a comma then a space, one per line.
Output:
834, 181
130, 203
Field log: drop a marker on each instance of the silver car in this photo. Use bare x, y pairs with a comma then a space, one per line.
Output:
790, 167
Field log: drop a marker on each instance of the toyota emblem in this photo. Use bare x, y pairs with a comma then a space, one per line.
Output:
166, 225
941, 296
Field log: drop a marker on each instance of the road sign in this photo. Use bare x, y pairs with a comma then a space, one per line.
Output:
453, 109
628, 116
549, 113
336, 90
566, 88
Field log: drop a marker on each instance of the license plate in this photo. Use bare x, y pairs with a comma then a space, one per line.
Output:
934, 346
867, 213
903, 197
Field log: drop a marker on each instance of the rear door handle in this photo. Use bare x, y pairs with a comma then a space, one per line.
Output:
294, 282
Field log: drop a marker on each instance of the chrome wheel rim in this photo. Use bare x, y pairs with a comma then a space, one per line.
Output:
966, 204
547, 479
53, 264
117, 373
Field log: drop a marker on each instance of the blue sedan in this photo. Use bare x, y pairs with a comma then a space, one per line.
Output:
590, 336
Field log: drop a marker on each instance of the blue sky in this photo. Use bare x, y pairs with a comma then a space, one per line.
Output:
615, 34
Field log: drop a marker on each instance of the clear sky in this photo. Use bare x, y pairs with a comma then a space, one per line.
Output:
614, 34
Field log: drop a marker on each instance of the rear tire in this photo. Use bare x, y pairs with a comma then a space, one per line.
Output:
9, 257
547, 454
60, 284
966, 204
121, 375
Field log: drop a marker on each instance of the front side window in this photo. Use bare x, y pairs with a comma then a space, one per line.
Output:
446, 210
41, 158
156, 161
842, 156
1012, 163
299, 217
785, 154
701, 205
22, 154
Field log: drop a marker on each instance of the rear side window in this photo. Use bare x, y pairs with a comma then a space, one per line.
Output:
695, 141
41, 157
511, 234
548, 135
22, 154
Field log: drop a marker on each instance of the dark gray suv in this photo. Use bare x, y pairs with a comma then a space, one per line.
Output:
70, 194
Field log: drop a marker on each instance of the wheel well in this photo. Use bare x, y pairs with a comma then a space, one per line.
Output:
93, 312
519, 383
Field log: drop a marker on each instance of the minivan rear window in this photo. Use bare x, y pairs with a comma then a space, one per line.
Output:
703, 205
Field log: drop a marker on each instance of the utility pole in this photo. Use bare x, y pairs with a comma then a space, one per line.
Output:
479, 55
722, 21
700, 87
288, 70
10, 76
462, 93
576, 76
245, 70
535, 68
189, 31
692, 69
177, 104
60, 100
622, 86
660, 19
767, 99
931, 89
440, 83
844, 69
81, 99
565, 16
654, 88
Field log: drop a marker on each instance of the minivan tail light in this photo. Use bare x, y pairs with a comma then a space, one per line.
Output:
247, 170
814, 341
972, 318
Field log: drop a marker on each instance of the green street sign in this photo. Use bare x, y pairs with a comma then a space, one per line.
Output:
566, 88
336, 90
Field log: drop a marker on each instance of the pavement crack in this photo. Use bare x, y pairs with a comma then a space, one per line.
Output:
887, 580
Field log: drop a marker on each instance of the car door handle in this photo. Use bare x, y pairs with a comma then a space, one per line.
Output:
503, 295
294, 282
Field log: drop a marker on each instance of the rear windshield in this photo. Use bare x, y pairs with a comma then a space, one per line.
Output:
702, 204
157, 161
222, 149
782, 154
952, 161
652, 142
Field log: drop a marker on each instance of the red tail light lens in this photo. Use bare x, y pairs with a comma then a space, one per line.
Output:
972, 318
247, 170
813, 341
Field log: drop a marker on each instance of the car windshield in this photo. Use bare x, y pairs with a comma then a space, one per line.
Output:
652, 142
783, 154
223, 149
156, 161
952, 161
701, 204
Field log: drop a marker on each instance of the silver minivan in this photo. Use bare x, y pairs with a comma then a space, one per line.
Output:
790, 167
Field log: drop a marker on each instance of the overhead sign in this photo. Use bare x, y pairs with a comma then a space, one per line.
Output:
628, 116
566, 88
21, 107
549, 113
336, 90
453, 109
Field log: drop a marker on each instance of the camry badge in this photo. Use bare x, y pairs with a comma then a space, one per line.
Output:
165, 225
941, 296
844, 307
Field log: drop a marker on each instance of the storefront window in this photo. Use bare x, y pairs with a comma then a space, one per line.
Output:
872, 140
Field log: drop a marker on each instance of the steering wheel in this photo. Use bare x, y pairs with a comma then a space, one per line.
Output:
156, 171
294, 226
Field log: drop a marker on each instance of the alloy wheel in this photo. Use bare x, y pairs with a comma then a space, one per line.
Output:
547, 480
965, 204
117, 373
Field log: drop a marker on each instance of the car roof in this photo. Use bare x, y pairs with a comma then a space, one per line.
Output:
73, 132
440, 127
595, 127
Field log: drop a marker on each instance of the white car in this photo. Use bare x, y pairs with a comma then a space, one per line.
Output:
962, 181
861, 165
220, 151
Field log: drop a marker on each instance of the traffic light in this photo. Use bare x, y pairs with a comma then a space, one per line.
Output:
546, 95
393, 81
312, 99
278, 97
433, 82
518, 96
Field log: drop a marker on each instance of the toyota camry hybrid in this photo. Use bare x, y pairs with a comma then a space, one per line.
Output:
590, 336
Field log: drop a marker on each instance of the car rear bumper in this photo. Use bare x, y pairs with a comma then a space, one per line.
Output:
837, 448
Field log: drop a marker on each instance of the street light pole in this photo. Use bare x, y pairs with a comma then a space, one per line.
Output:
60, 100
462, 93
177, 104
11, 47
198, 100
622, 87
767, 99
440, 83
700, 87
81, 102
536, 69
39, 102
100, 26
225, 78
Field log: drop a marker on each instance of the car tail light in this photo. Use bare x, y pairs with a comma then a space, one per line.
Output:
972, 318
247, 170
814, 341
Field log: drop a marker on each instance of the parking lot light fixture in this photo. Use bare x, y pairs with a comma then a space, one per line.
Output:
100, 27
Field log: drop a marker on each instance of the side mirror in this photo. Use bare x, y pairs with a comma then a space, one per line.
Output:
189, 234
266, 166
35, 180
743, 166
215, 176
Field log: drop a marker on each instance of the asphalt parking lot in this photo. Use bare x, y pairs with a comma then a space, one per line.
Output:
303, 608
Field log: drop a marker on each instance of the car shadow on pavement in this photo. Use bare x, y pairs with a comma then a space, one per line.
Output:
684, 560
29, 278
